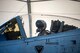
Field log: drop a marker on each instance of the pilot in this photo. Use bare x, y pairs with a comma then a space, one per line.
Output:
41, 28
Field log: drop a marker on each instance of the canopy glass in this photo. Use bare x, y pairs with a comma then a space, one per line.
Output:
63, 23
